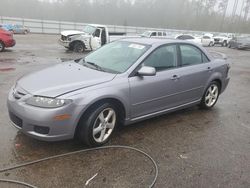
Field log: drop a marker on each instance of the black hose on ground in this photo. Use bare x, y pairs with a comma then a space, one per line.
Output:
76, 152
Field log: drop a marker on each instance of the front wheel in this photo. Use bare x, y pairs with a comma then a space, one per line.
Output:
224, 43
210, 44
97, 126
1, 46
211, 95
78, 47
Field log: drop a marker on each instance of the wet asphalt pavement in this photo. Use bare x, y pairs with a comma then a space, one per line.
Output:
192, 147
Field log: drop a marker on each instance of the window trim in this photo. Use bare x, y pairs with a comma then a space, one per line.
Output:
134, 72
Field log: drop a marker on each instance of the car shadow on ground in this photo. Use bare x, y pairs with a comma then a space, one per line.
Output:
27, 148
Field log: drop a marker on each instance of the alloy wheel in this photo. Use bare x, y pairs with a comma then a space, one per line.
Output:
104, 125
211, 95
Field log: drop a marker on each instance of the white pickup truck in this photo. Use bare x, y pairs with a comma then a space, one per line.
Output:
90, 38
222, 39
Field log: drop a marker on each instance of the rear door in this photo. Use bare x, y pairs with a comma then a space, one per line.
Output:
194, 72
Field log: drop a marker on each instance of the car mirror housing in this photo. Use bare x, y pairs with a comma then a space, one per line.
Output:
146, 71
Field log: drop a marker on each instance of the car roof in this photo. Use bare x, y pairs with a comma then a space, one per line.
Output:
153, 41
97, 25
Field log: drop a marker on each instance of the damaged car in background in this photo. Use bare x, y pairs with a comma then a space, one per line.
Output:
92, 37
121, 83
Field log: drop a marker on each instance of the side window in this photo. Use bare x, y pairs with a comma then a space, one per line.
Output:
180, 37
162, 58
164, 34
159, 34
204, 58
190, 55
186, 37
206, 37
97, 32
153, 34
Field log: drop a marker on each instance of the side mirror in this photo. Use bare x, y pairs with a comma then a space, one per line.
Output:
146, 71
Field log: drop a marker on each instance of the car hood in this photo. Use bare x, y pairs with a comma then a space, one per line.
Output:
62, 78
72, 32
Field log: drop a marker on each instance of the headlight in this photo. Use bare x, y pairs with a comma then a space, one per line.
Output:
46, 102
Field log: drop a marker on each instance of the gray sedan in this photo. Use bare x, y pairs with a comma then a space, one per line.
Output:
239, 43
120, 83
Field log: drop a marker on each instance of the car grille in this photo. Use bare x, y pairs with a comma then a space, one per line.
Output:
16, 120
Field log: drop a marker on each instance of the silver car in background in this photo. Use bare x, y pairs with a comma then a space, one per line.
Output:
120, 83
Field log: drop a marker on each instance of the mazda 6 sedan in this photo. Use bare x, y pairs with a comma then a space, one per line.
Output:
120, 83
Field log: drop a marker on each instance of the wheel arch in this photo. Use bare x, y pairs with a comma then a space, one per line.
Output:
219, 82
217, 77
116, 102
75, 41
3, 44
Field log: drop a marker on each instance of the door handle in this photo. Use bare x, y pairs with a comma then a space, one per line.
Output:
175, 77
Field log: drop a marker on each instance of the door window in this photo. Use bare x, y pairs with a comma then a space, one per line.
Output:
206, 37
153, 34
190, 55
159, 34
162, 58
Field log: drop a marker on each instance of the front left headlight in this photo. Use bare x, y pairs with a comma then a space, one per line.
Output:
46, 102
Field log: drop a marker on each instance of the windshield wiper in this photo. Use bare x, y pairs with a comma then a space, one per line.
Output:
97, 67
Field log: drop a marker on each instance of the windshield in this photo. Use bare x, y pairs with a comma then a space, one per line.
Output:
115, 57
89, 29
146, 34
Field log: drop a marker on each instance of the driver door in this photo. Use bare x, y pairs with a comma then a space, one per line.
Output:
96, 39
150, 94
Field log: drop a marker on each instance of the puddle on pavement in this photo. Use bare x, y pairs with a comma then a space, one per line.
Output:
7, 61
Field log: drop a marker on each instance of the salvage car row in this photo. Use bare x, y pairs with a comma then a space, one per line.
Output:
94, 36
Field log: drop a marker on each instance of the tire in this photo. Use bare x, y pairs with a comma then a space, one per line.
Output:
229, 45
97, 126
78, 47
2, 46
210, 44
210, 96
224, 43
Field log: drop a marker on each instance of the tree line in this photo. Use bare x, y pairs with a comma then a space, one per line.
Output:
205, 15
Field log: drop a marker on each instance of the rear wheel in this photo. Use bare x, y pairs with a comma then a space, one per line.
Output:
97, 126
210, 44
211, 95
2, 46
224, 43
78, 47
